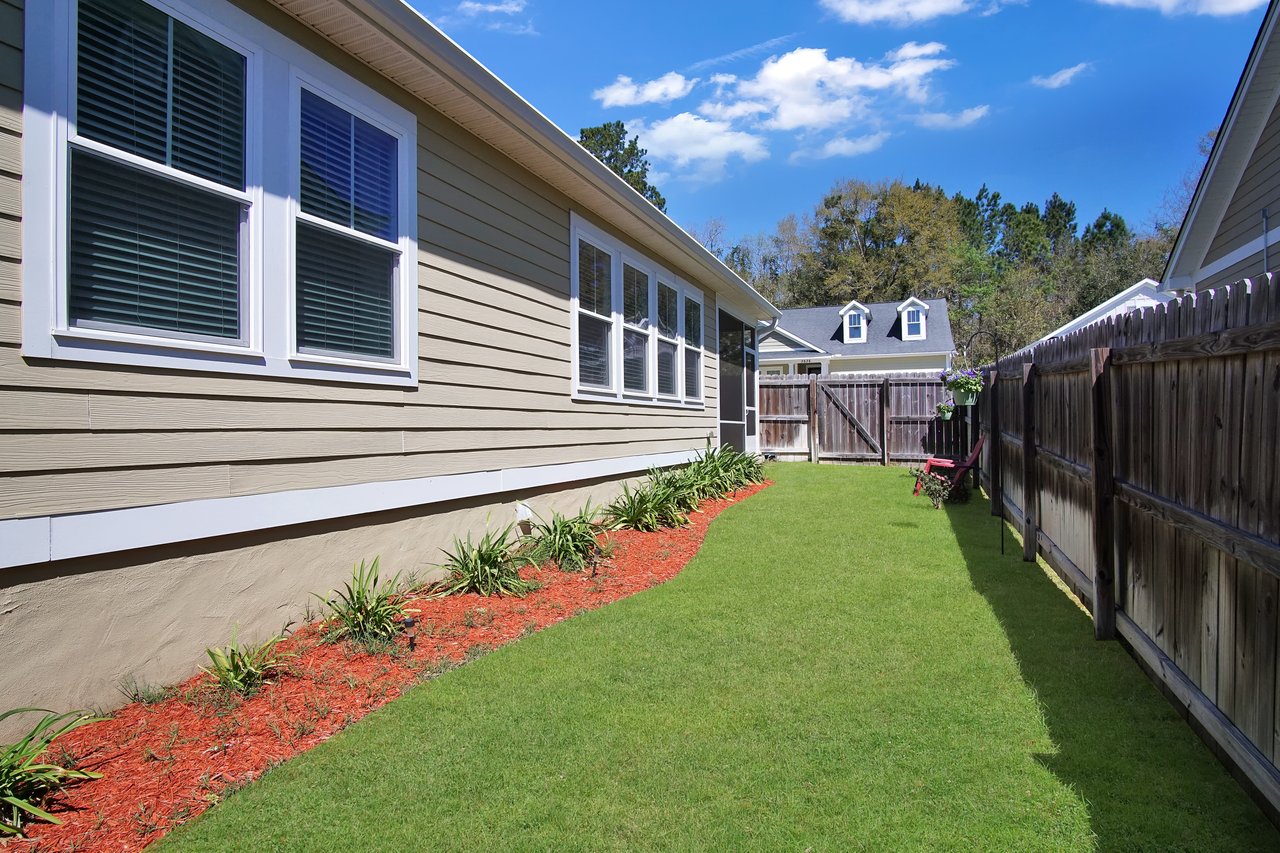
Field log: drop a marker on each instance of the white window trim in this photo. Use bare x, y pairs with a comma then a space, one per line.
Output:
921, 306
620, 254
907, 336
274, 66
695, 295
862, 324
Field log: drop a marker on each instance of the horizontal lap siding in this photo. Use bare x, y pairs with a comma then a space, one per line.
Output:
494, 373
1259, 188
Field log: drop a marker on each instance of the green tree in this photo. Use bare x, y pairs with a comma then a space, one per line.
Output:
610, 145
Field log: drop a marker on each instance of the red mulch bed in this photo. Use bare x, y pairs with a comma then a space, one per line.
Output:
165, 763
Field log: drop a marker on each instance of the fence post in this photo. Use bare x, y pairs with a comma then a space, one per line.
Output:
1104, 580
1030, 486
813, 418
884, 421
997, 461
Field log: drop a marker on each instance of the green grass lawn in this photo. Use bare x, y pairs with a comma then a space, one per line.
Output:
841, 667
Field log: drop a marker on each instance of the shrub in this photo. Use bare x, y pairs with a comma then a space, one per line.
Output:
635, 509
938, 488
571, 542
486, 567
726, 470
243, 669
367, 610
676, 488
25, 781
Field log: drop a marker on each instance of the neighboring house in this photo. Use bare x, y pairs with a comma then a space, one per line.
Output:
1144, 294
1233, 223
856, 338
287, 285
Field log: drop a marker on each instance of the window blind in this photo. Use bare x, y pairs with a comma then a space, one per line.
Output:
345, 294
692, 372
157, 88
667, 368
149, 252
635, 360
593, 351
595, 279
348, 169
692, 323
635, 296
668, 310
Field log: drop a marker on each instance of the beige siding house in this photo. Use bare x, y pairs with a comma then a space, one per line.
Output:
287, 285
1233, 224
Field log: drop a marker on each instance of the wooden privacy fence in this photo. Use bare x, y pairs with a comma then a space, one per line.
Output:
881, 419
1140, 458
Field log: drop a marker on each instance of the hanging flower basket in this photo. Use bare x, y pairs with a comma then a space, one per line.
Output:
964, 383
945, 411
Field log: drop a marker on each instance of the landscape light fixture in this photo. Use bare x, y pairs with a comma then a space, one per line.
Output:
411, 631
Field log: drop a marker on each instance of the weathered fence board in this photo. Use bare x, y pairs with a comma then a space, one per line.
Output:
1139, 456
874, 419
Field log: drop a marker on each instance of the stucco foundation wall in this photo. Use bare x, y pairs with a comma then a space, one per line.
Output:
73, 631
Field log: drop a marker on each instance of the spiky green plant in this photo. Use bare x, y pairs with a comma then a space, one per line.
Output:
242, 669
487, 567
26, 781
634, 509
571, 542
367, 610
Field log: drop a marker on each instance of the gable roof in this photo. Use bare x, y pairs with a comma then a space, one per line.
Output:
1147, 290
1251, 106
855, 305
822, 326
396, 41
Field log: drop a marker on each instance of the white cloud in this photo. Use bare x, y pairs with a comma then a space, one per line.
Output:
894, 11
625, 92
1058, 79
507, 7
498, 16
843, 146
807, 90
953, 121
693, 143
1190, 7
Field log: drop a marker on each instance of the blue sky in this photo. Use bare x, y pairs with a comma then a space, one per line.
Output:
752, 110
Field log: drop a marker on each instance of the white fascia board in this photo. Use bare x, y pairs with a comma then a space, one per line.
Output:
1102, 310
1229, 157
911, 300
47, 538
855, 305
779, 331
411, 28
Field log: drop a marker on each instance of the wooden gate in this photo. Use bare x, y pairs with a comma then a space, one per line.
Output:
865, 419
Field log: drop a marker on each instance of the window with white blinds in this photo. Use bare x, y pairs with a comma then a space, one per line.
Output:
217, 198
637, 335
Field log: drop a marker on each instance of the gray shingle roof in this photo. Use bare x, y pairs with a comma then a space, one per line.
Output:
821, 327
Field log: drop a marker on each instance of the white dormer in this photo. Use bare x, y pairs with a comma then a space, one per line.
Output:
913, 316
853, 322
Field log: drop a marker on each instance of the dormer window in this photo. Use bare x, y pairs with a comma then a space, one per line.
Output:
855, 331
854, 318
913, 315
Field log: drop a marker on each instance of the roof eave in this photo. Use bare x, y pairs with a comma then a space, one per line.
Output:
1238, 135
402, 29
